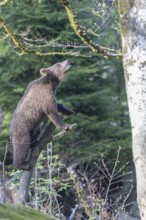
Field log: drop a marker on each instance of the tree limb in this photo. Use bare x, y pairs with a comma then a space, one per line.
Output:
25, 48
19, 44
4, 3
14, 39
62, 133
82, 33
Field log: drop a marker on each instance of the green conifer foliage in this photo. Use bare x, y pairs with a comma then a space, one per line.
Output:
94, 88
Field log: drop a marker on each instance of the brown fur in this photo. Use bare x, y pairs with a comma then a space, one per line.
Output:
37, 102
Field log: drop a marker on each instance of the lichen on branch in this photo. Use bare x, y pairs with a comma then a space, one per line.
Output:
19, 45
8, 31
72, 170
83, 35
4, 3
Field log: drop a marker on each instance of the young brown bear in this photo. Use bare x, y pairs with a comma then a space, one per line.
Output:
37, 102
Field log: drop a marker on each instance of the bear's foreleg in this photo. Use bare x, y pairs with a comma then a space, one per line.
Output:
65, 110
55, 118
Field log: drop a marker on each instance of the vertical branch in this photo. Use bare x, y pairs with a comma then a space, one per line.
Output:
36, 186
22, 194
49, 156
81, 193
111, 176
3, 166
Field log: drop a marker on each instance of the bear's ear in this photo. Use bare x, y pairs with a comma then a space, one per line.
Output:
44, 71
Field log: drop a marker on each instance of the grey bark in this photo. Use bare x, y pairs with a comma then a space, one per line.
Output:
133, 31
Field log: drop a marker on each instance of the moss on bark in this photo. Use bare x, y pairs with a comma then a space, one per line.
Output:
17, 212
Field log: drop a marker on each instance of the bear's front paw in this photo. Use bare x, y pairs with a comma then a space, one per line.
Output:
66, 127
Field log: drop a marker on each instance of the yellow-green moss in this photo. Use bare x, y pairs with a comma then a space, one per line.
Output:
17, 212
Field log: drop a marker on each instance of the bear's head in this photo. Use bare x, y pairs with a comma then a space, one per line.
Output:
57, 71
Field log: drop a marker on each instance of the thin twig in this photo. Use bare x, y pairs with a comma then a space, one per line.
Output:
112, 174
49, 156
83, 33
4, 180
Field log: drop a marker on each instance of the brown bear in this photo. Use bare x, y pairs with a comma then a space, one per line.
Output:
38, 101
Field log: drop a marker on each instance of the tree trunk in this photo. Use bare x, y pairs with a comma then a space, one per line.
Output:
133, 31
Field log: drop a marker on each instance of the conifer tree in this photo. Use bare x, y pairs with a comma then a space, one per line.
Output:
94, 87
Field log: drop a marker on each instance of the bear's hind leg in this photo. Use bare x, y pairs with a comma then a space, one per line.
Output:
21, 146
34, 137
22, 166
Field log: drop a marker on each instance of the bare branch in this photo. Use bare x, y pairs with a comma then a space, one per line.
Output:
21, 45
112, 174
83, 34
62, 133
3, 166
6, 28
4, 3
24, 45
